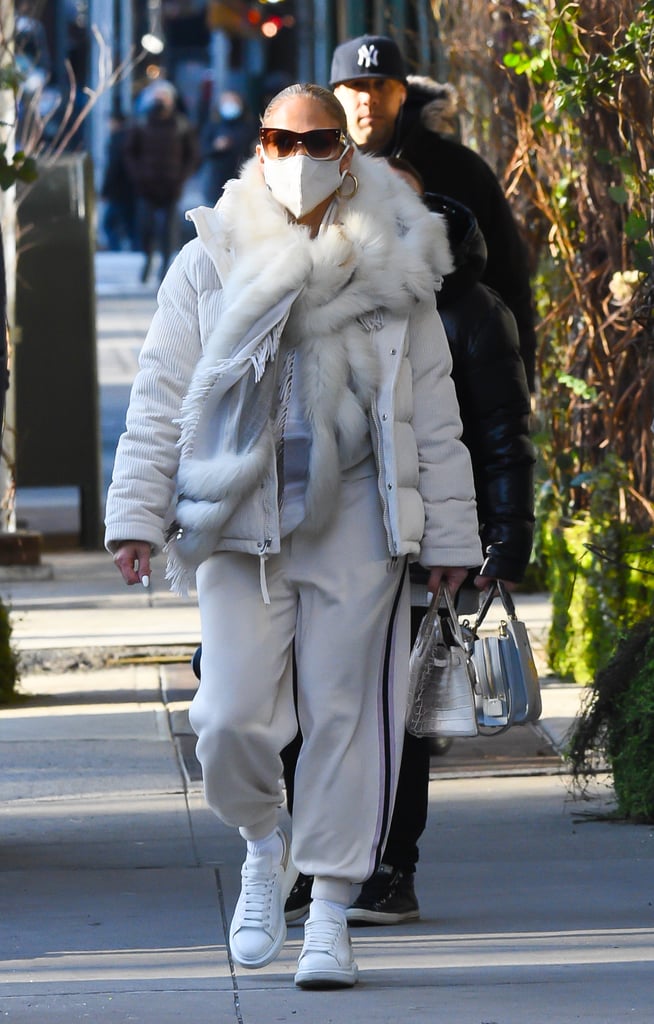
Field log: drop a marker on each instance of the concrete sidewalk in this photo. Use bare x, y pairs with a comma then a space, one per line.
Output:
117, 884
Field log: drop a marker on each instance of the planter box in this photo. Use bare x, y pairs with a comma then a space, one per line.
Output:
23, 547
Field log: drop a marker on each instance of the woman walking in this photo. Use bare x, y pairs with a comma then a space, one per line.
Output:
292, 441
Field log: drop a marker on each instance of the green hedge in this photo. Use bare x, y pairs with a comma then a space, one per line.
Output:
599, 576
8, 659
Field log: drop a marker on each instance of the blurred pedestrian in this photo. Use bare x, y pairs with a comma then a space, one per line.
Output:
119, 217
161, 153
227, 140
30, 39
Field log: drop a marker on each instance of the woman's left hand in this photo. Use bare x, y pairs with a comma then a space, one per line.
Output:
452, 576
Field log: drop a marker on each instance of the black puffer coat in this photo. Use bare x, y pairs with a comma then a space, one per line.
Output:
493, 396
451, 169
160, 154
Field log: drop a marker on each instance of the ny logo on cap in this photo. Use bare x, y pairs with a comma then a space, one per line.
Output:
367, 56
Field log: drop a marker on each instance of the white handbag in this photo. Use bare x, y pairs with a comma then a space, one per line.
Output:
441, 699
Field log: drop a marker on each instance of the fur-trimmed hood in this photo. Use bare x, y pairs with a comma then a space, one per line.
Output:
434, 104
467, 243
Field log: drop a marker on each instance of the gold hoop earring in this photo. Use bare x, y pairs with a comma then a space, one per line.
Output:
355, 186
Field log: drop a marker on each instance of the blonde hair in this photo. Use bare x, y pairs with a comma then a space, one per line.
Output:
314, 92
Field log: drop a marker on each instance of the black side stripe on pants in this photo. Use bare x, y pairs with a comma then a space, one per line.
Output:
387, 711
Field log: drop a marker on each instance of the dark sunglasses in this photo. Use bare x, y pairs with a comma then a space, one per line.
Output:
319, 144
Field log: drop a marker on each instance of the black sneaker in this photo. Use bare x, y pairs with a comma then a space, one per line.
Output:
196, 661
388, 897
299, 899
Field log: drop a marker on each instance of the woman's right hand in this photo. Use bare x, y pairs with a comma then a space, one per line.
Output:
132, 557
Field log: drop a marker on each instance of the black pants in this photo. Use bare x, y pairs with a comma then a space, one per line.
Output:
158, 230
412, 800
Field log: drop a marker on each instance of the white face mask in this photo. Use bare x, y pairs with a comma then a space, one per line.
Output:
300, 183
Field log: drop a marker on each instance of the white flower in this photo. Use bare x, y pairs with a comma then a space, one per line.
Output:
623, 285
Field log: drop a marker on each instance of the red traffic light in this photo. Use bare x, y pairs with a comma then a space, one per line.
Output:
271, 26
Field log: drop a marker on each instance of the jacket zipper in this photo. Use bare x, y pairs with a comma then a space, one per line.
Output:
380, 476
263, 555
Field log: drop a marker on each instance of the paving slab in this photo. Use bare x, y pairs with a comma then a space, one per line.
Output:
596, 994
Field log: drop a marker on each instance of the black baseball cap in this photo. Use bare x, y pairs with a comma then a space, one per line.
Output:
367, 57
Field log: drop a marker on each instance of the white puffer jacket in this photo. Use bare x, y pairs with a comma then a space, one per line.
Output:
197, 462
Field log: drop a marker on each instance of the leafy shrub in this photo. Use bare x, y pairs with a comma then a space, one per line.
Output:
616, 725
8, 658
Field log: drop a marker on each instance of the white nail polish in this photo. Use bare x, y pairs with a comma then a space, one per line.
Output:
145, 580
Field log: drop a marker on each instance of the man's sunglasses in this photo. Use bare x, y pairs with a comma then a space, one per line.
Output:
319, 144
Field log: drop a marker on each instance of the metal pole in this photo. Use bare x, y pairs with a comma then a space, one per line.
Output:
254, 68
355, 20
426, 26
219, 49
397, 23
306, 65
127, 52
60, 45
100, 67
379, 18
322, 40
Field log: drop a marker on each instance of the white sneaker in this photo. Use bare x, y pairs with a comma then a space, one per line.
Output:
326, 959
258, 929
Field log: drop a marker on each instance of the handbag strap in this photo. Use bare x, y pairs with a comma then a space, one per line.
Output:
427, 624
452, 617
507, 600
496, 587
443, 595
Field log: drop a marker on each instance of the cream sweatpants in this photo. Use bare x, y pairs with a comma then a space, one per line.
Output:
344, 604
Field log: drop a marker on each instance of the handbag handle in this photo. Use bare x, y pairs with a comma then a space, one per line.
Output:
453, 618
496, 587
427, 625
432, 612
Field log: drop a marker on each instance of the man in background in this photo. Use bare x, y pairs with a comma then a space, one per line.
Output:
392, 114
487, 313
